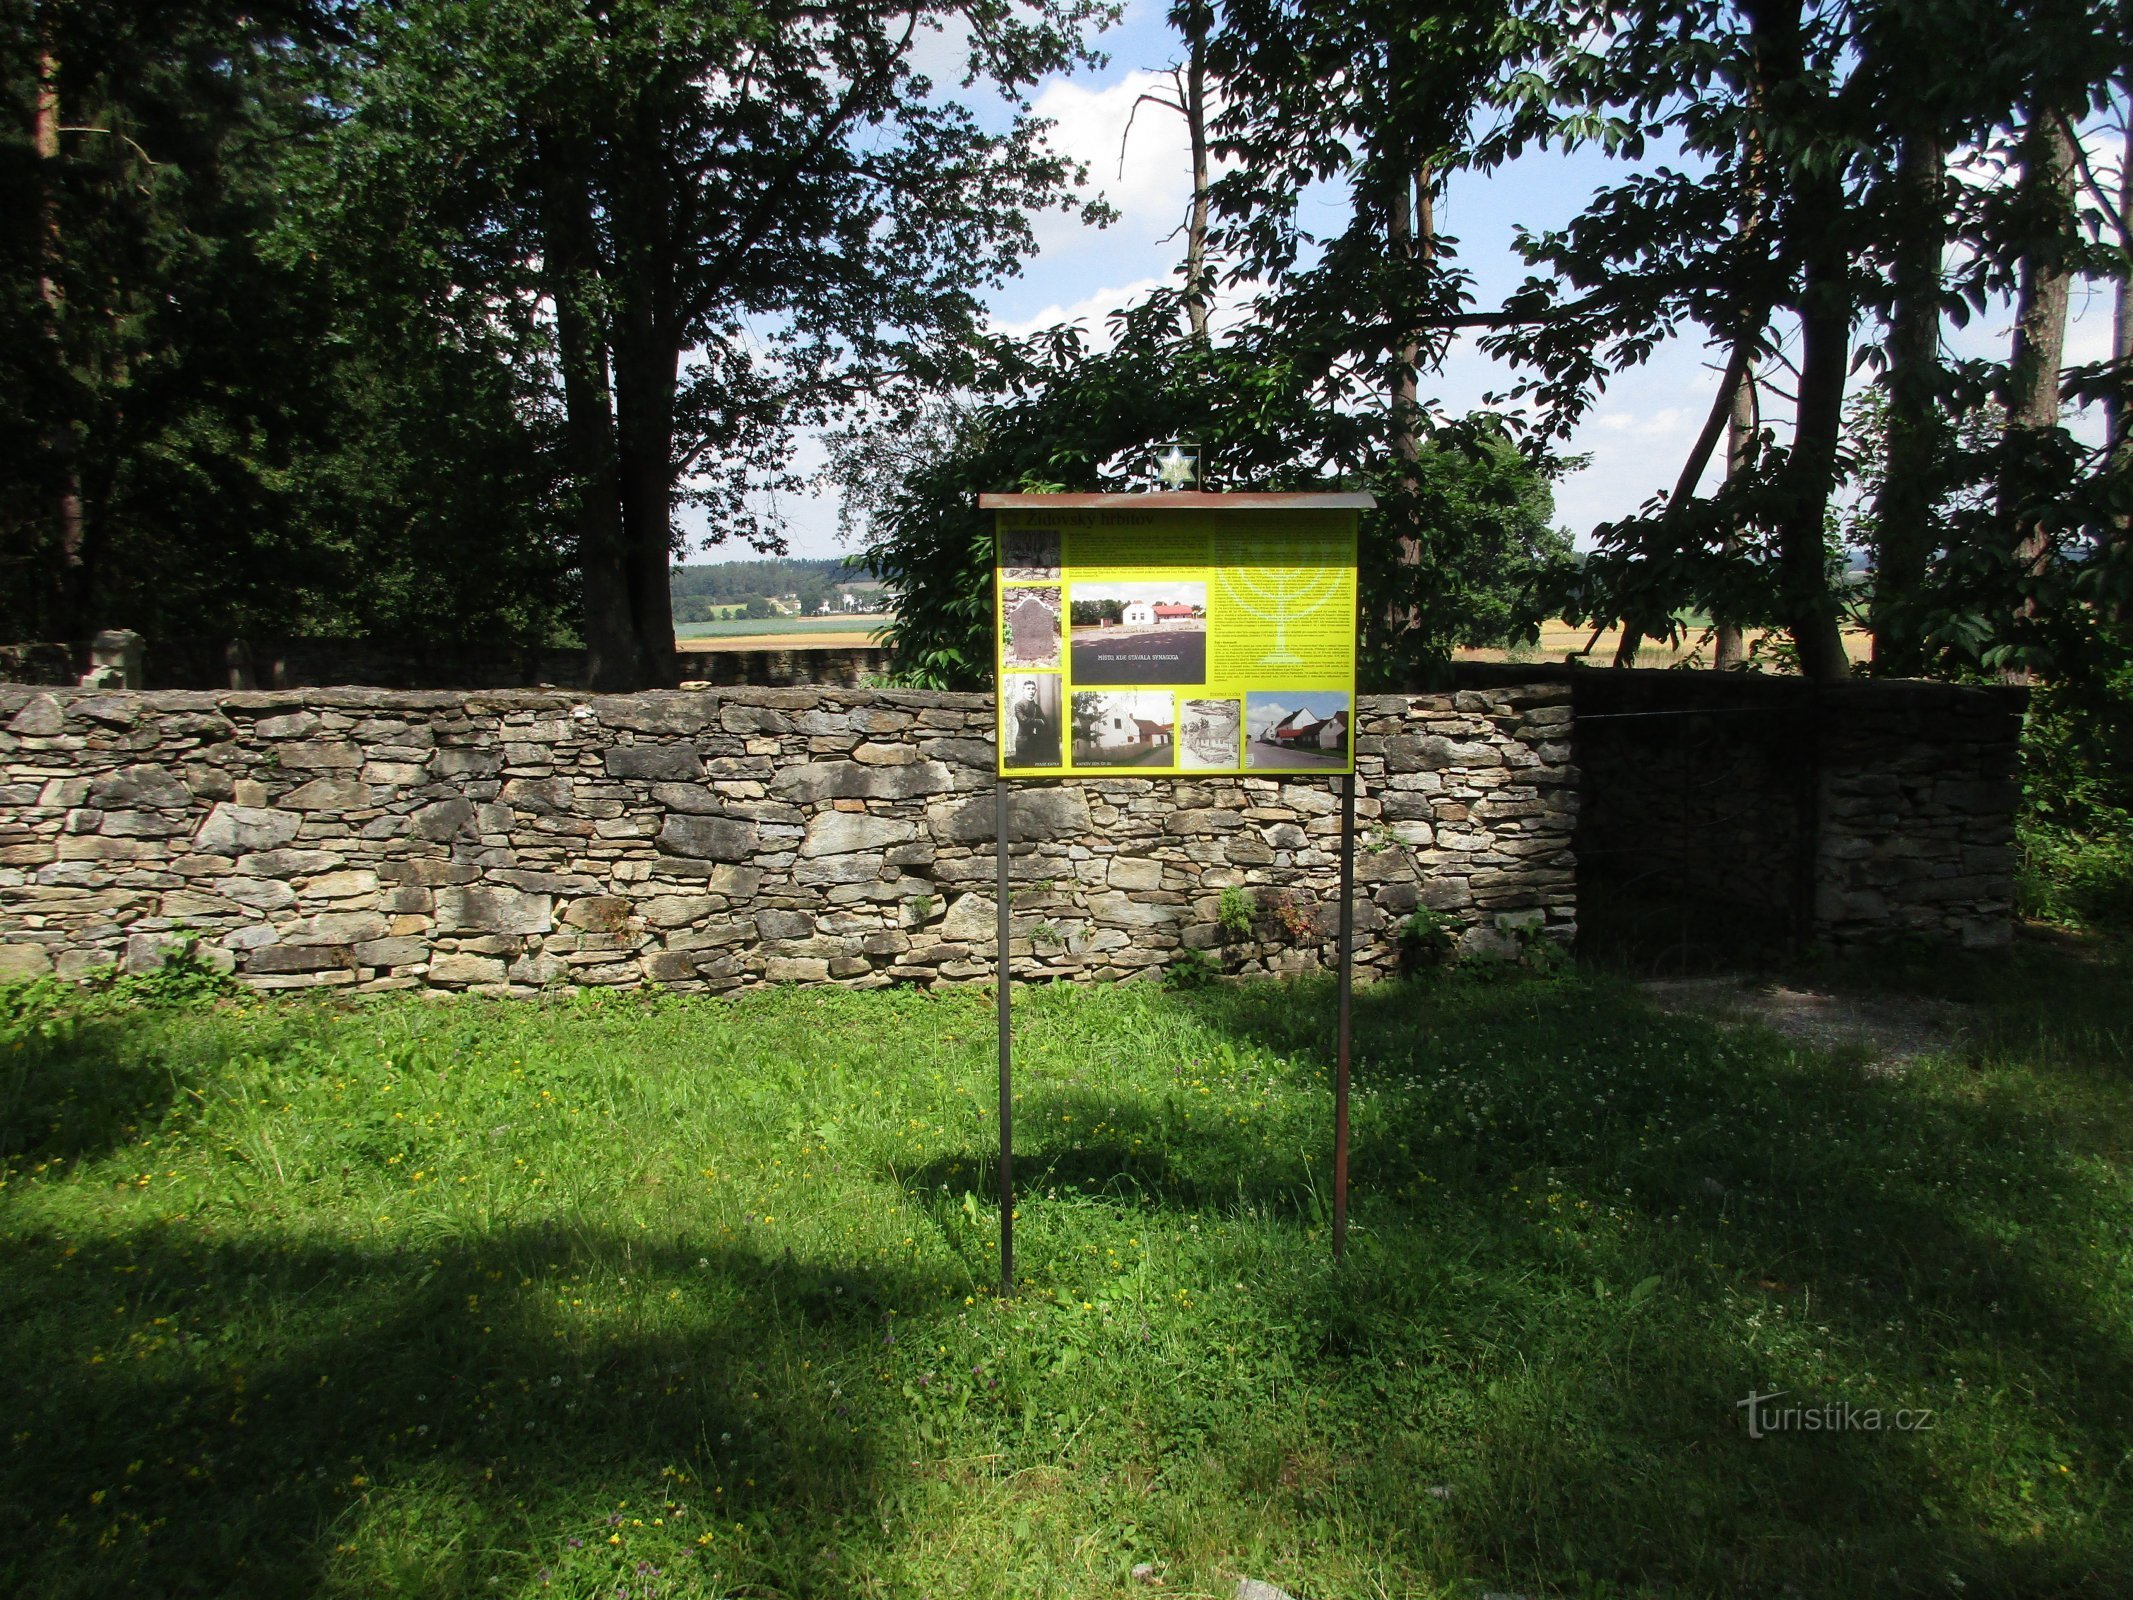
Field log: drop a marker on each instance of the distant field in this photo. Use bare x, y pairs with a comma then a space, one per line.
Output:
851, 631
1559, 638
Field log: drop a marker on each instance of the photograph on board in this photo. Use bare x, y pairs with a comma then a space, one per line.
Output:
1029, 627
1143, 632
1124, 728
1029, 720
1029, 555
1296, 730
1207, 734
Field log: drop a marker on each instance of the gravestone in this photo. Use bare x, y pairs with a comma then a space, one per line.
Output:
1033, 628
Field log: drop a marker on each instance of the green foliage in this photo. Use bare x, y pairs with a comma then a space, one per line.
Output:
447, 1294
1286, 916
1191, 969
269, 430
1425, 941
1064, 417
183, 978
728, 582
1233, 915
2076, 823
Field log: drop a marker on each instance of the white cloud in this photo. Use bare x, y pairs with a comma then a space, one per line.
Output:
1145, 175
1091, 311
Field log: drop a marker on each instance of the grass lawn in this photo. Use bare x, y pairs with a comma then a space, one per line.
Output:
658, 1296
740, 628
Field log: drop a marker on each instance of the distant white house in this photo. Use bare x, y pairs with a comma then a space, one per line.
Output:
1139, 614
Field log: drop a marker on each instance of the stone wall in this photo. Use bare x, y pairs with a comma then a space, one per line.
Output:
433, 664
507, 842
1917, 792
1731, 817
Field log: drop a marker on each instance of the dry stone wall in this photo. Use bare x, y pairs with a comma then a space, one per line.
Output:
520, 840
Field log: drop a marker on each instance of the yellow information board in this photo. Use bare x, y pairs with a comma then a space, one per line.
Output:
1182, 633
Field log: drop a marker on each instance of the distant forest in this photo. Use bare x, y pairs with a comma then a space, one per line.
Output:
700, 590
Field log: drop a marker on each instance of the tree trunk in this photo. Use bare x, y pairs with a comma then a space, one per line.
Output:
1729, 647
1413, 238
70, 585
1407, 228
647, 364
572, 269
2118, 419
1810, 471
1904, 540
2039, 341
1197, 289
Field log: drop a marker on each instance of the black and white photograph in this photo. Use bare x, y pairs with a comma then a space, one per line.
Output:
1144, 632
1296, 730
1122, 728
1029, 555
1029, 627
1029, 720
1207, 734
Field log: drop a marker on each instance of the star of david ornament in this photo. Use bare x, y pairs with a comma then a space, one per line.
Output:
1179, 468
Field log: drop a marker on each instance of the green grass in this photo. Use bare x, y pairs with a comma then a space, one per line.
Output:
738, 629
666, 1296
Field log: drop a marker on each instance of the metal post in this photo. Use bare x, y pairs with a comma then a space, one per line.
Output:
1001, 979
1340, 1057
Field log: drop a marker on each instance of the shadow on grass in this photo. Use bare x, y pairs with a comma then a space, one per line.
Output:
344, 1389
1588, 1231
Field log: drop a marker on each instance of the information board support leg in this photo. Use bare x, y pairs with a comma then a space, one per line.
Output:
1001, 979
1340, 1056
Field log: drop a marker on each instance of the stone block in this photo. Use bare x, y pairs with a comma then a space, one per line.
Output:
540, 797
1202, 821
42, 718
775, 924
598, 914
668, 966
834, 833
795, 969
283, 958
678, 910
141, 825
232, 830
971, 919
1118, 910
336, 927
486, 908
456, 970
260, 894
441, 821
1033, 817
402, 951
812, 782
745, 719
21, 962
1134, 872
343, 885
328, 794
885, 755
139, 788
461, 762
643, 762
693, 799
708, 838
321, 754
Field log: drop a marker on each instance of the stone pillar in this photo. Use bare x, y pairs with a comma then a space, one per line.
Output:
114, 661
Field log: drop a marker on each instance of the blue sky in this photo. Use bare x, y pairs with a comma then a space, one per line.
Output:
1637, 436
